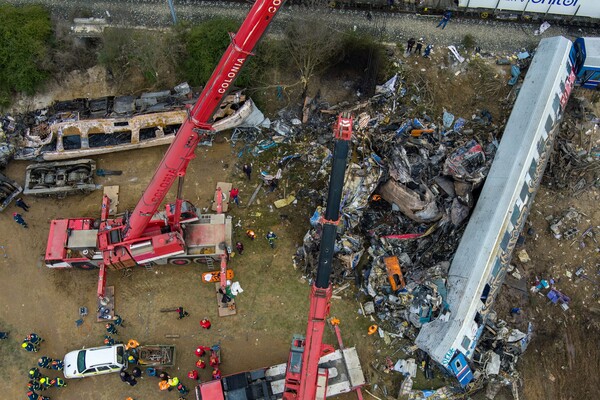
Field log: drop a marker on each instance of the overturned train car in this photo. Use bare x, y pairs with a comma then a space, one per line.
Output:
479, 265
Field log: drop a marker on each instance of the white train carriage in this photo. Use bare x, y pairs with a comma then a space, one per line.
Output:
480, 262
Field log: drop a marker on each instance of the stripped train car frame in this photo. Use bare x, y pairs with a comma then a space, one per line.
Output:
479, 265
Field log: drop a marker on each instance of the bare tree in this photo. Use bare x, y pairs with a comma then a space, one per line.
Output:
311, 45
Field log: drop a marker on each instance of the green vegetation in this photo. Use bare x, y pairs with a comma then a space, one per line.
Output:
26, 33
468, 41
130, 53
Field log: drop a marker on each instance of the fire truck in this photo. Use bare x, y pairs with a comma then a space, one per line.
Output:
314, 370
179, 234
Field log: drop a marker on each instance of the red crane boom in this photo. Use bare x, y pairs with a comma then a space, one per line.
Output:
181, 151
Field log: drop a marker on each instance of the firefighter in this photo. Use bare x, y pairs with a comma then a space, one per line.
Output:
182, 313
44, 362
45, 382
271, 236
21, 204
108, 340
216, 374
205, 323
213, 360
58, 382
110, 328
118, 321
19, 220
34, 384
29, 347
34, 339
57, 365
200, 364
34, 373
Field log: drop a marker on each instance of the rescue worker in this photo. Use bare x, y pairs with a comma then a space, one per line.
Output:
173, 382
110, 328
3, 335
182, 313
59, 382
132, 359
29, 347
34, 339
419, 45
193, 375
271, 236
45, 382
216, 374
182, 389
44, 362
118, 321
57, 365
200, 350
164, 376
247, 168
427, 52
410, 44
213, 361
239, 247
131, 380
131, 344
234, 195
34, 384
163, 385
21, 204
200, 364
250, 233
205, 323
124, 375
19, 220
34, 373
108, 340
31, 395
136, 372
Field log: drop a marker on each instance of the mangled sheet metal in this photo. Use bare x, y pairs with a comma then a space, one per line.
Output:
419, 205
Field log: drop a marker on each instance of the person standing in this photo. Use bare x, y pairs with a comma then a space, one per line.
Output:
136, 372
193, 375
182, 313
200, 364
247, 168
410, 44
234, 195
250, 233
34, 339
216, 374
445, 18
118, 321
44, 362
419, 45
239, 247
271, 236
57, 365
21, 204
428, 50
124, 375
34, 373
19, 220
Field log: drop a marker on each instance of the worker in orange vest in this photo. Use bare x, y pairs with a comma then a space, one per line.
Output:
250, 233
164, 385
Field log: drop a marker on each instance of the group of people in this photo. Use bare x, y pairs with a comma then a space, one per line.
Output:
270, 236
38, 381
411, 43
111, 329
213, 361
169, 383
32, 342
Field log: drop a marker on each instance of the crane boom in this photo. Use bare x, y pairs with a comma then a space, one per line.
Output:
181, 151
304, 385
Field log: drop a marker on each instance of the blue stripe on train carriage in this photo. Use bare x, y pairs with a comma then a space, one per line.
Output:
461, 370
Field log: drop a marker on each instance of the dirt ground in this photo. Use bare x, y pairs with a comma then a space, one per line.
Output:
274, 303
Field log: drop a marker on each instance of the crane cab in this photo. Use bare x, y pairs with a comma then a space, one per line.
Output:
586, 57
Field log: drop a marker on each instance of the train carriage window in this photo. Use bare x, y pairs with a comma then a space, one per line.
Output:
516, 214
484, 296
466, 342
556, 108
109, 139
505, 241
549, 124
533, 167
524, 192
541, 146
71, 142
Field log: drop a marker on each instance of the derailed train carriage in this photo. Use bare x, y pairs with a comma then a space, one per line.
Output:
479, 265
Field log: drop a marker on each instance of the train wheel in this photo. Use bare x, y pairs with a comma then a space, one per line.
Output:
484, 15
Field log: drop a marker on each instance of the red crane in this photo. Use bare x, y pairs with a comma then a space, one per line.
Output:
140, 237
303, 377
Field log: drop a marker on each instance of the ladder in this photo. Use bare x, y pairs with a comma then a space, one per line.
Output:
210, 263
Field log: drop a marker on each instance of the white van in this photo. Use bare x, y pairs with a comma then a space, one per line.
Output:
94, 361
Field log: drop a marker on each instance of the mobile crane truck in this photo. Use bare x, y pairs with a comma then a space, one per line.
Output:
179, 233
